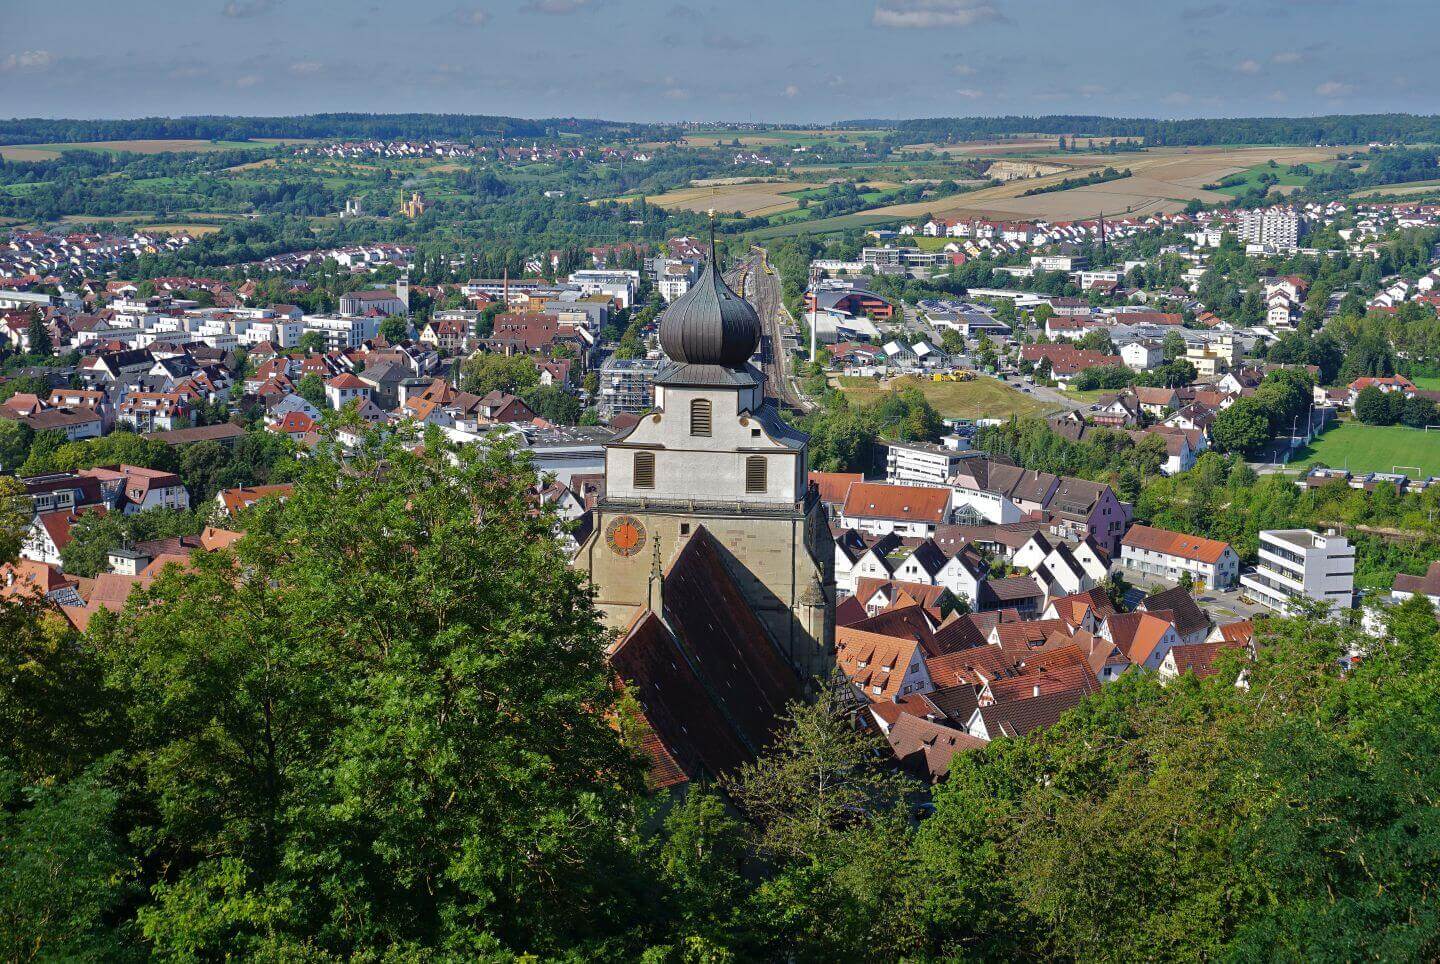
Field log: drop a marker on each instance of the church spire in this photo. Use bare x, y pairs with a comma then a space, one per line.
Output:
710, 324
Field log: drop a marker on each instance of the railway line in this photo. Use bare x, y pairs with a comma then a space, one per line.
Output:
758, 283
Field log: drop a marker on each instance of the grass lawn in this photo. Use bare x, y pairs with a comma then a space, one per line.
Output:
1430, 383
833, 225
1373, 448
1089, 397
981, 398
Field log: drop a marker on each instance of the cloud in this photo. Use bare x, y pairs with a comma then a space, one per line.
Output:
970, 93
468, 17
248, 80
306, 67
1248, 66
244, 9
936, 13
790, 91
28, 60
1287, 57
560, 7
964, 70
1179, 98
1278, 96
1334, 88
1206, 12
1092, 90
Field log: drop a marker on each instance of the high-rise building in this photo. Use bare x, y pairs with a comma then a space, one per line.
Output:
713, 471
1277, 227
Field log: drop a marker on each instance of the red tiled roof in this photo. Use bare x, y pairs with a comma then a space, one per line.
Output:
1178, 544
900, 503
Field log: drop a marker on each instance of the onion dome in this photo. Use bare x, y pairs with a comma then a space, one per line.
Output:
710, 324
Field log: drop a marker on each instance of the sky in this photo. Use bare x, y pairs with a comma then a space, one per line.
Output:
741, 60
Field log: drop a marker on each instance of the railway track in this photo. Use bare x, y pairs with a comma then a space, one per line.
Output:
757, 282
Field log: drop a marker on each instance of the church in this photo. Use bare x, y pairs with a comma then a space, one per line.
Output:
710, 549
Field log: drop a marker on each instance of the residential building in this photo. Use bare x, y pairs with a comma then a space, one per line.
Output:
1427, 585
627, 385
905, 510
1298, 564
1277, 227
921, 463
1171, 555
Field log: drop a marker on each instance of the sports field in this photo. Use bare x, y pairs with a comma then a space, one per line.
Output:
981, 398
1374, 448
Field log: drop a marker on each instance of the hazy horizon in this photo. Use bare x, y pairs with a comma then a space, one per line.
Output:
662, 60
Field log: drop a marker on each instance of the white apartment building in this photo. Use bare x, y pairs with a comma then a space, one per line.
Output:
920, 463
342, 333
1277, 227
674, 276
1300, 564
1171, 555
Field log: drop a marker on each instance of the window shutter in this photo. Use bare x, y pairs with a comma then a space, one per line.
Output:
644, 470
755, 477
700, 417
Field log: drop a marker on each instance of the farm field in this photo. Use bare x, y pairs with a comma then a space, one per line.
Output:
1399, 190
1373, 448
981, 398
751, 199
835, 225
1162, 180
779, 137
194, 230
1250, 178
48, 152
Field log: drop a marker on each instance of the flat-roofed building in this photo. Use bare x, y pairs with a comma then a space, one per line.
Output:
1298, 564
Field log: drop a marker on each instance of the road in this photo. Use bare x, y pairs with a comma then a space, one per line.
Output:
761, 287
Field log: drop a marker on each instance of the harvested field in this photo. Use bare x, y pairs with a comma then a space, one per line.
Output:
1163, 180
48, 152
1023, 144
981, 398
751, 200
194, 230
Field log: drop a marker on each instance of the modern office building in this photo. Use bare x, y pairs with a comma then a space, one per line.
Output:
1298, 564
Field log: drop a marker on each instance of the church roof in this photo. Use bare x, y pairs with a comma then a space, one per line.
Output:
710, 324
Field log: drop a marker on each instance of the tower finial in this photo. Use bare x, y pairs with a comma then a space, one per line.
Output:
712, 235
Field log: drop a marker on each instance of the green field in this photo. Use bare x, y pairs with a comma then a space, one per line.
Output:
1430, 383
835, 225
1237, 184
981, 398
1373, 448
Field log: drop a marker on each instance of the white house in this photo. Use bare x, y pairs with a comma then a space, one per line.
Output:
1170, 555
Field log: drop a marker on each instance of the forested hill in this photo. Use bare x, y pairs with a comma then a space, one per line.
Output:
340, 126
1330, 129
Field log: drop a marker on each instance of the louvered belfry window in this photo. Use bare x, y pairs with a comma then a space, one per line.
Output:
755, 479
644, 470
700, 417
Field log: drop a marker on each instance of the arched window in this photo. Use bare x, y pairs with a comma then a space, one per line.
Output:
644, 470
700, 417
755, 474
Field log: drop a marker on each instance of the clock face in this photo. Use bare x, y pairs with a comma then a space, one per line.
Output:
625, 535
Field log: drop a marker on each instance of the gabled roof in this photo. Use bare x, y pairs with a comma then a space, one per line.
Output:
1018, 717
709, 679
870, 660
1186, 614
898, 503
925, 748
834, 485
1196, 548
1137, 634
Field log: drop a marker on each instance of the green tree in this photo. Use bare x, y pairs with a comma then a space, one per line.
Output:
360, 753
1243, 427
38, 337
554, 404
312, 388
1372, 407
1172, 346
514, 374
395, 329
312, 342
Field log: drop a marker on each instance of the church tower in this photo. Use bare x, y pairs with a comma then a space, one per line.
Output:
715, 455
